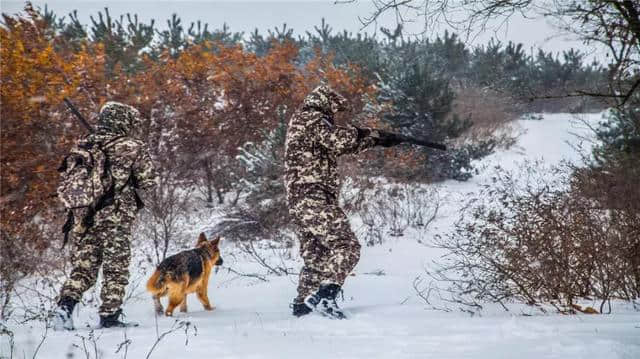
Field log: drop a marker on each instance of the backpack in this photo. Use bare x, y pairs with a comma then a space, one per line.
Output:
85, 181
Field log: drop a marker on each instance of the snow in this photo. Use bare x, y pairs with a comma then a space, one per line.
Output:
386, 317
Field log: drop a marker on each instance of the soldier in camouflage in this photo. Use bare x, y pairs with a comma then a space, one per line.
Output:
328, 246
107, 242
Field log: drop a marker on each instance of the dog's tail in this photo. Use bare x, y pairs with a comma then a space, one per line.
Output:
156, 284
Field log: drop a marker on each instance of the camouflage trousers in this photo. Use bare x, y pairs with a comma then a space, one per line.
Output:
328, 246
108, 244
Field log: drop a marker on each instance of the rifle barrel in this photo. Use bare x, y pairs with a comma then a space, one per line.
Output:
77, 113
416, 141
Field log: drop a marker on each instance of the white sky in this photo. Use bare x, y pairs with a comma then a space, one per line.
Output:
302, 15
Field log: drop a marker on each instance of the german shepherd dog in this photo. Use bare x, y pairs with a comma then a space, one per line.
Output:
184, 273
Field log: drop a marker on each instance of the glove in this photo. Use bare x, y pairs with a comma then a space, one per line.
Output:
363, 133
386, 139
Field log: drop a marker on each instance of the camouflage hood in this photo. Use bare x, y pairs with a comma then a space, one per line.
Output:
325, 99
118, 118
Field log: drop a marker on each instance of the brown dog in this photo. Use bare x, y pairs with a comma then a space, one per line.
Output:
184, 273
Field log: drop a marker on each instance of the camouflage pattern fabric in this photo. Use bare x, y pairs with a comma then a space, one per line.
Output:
329, 248
119, 119
107, 242
82, 180
314, 142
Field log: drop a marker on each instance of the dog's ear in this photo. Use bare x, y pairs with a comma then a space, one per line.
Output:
201, 239
216, 241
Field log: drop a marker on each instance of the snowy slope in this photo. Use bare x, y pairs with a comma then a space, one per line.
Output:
387, 319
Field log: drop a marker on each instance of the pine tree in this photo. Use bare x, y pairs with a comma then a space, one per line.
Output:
173, 39
200, 34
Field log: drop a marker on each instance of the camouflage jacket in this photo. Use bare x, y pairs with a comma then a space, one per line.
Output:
314, 143
129, 159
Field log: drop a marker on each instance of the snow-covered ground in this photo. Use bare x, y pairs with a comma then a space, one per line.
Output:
387, 319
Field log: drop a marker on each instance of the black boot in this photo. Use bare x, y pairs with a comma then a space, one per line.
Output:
61, 317
324, 301
113, 321
300, 309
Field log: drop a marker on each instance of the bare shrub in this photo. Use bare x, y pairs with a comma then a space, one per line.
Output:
17, 262
34, 296
490, 113
218, 179
28, 269
178, 325
394, 207
373, 222
274, 256
425, 204
165, 210
262, 212
6, 332
614, 188
529, 237
88, 345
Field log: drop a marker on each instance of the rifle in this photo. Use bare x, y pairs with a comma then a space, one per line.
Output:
77, 113
419, 142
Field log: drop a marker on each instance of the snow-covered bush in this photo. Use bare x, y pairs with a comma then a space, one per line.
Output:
391, 209
530, 236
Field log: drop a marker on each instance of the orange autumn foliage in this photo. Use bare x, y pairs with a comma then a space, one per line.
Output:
200, 106
34, 81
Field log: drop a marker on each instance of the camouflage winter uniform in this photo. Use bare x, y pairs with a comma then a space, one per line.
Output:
107, 242
328, 246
